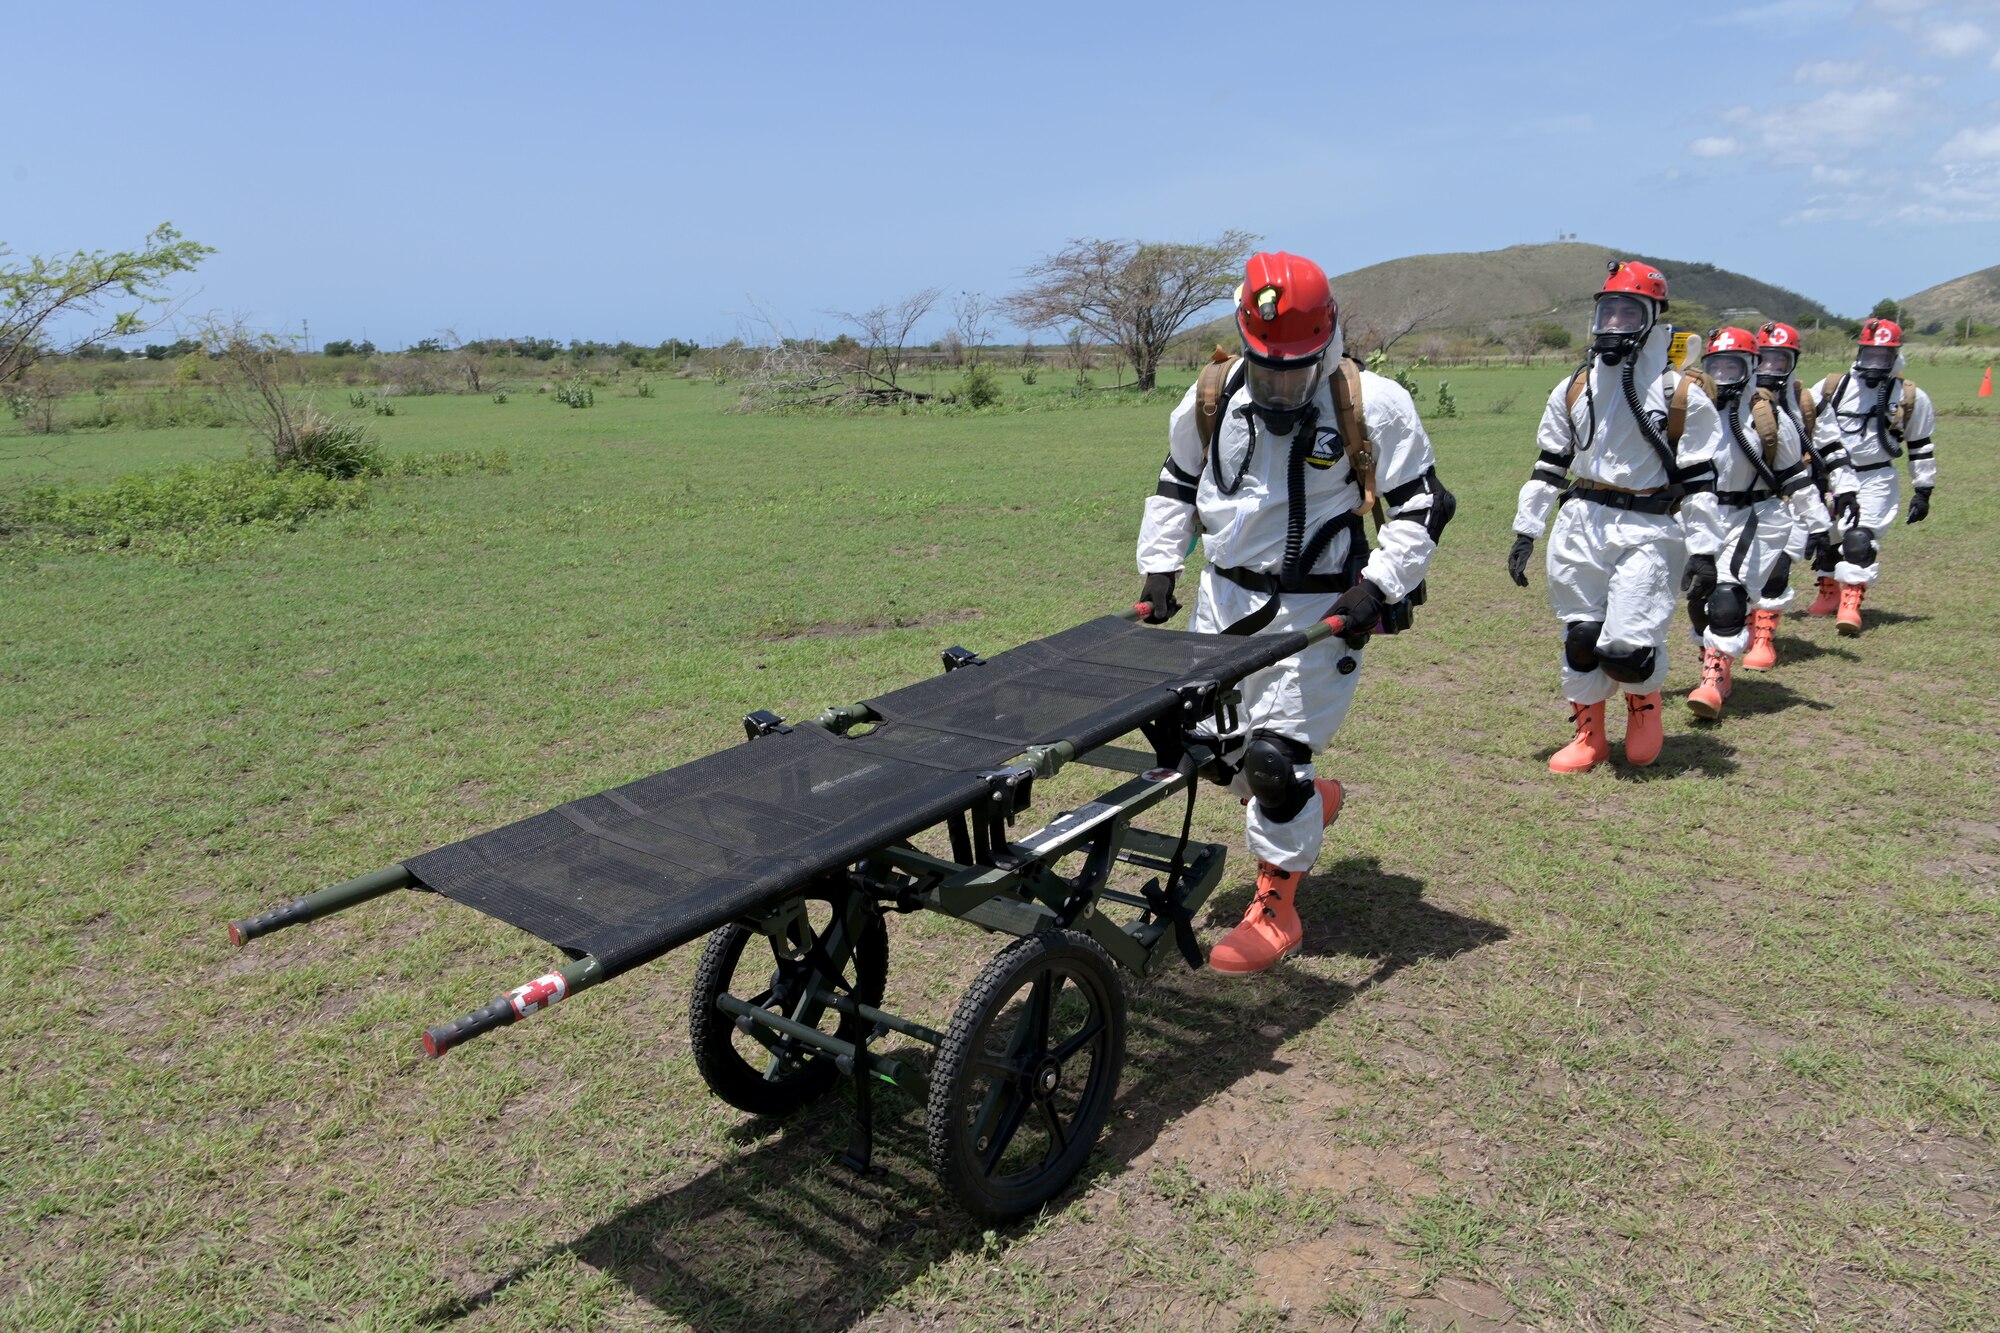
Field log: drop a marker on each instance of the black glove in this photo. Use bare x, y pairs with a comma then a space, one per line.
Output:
1816, 544
1920, 505
1847, 510
1517, 559
1361, 607
1699, 580
1159, 595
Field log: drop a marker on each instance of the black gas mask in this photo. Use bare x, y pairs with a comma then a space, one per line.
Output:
1875, 364
1774, 366
1731, 372
1619, 325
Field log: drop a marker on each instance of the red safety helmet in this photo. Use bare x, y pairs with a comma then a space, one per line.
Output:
1731, 358
1629, 275
1284, 309
1880, 333
1777, 353
1775, 334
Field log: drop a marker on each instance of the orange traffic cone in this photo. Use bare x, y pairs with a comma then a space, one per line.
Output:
1986, 385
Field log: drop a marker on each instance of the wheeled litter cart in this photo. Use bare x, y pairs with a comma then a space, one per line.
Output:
789, 851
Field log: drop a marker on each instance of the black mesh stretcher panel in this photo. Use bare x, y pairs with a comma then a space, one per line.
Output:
630, 873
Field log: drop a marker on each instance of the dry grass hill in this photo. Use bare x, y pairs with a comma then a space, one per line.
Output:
1975, 296
1526, 283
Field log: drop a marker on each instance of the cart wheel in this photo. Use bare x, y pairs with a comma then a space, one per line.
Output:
764, 1073
1026, 1074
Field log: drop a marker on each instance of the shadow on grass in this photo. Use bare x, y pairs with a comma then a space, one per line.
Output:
1874, 616
1793, 650
781, 1237
1684, 752
1754, 696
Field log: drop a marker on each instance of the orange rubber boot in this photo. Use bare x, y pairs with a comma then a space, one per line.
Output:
1762, 654
1706, 700
1828, 600
1270, 928
1643, 737
1848, 621
1331, 794
1728, 675
1589, 748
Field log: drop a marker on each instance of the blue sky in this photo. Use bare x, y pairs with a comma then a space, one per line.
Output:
646, 171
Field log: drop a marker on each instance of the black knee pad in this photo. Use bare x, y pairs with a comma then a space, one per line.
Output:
1858, 547
1630, 665
1728, 613
1580, 644
1781, 577
1268, 766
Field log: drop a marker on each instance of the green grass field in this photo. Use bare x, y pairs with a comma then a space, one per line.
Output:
1711, 1045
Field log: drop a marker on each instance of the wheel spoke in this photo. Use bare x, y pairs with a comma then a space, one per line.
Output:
1001, 1068
1080, 1040
1041, 1000
1003, 1134
1056, 1129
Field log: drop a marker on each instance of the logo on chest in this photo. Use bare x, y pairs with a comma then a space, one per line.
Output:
1326, 450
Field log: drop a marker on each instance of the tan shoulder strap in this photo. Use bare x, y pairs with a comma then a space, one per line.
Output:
1353, 423
1827, 386
1575, 389
1808, 409
1764, 420
1677, 408
1903, 412
1208, 387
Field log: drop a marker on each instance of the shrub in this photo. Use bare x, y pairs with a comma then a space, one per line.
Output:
1028, 375
1551, 335
1447, 405
1501, 406
357, 400
576, 393
645, 388
979, 387
338, 449
197, 498
500, 397
383, 407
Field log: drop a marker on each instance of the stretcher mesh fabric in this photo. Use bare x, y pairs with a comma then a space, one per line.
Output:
630, 873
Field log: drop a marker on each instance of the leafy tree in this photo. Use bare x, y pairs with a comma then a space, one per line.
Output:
1553, 335
1888, 308
39, 295
1134, 295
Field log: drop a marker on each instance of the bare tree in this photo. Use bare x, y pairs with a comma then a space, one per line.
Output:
1133, 295
969, 315
1379, 330
1076, 350
1525, 341
465, 362
884, 333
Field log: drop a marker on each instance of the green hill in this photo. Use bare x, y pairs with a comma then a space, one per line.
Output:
1975, 296
1527, 283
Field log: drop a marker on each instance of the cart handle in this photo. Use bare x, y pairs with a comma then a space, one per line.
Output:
1334, 624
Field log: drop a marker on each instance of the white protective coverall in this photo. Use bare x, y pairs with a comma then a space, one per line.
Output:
1619, 566
1304, 698
1758, 523
1840, 478
1860, 431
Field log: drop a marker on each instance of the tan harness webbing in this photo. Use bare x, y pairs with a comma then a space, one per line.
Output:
1347, 415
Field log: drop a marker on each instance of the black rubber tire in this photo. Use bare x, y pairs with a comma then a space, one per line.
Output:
1039, 1128
724, 1054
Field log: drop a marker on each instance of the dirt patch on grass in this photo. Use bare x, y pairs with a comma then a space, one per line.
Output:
847, 629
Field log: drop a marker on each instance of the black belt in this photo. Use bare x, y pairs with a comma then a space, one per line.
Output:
1877, 467
1657, 503
1743, 499
1265, 581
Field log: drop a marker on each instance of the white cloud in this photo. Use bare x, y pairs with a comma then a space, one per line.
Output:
1970, 145
1996, 60
1830, 73
1841, 176
1713, 146
1954, 40
1831, 125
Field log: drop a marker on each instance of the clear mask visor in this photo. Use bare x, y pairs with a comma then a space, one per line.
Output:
1729, 370
1622, 315
1878, 359
1285, 389
1776, 362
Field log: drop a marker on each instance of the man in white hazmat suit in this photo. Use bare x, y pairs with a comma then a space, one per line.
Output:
1777, 371
1640, 439
1760, 470
1263, 462
1868, 418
